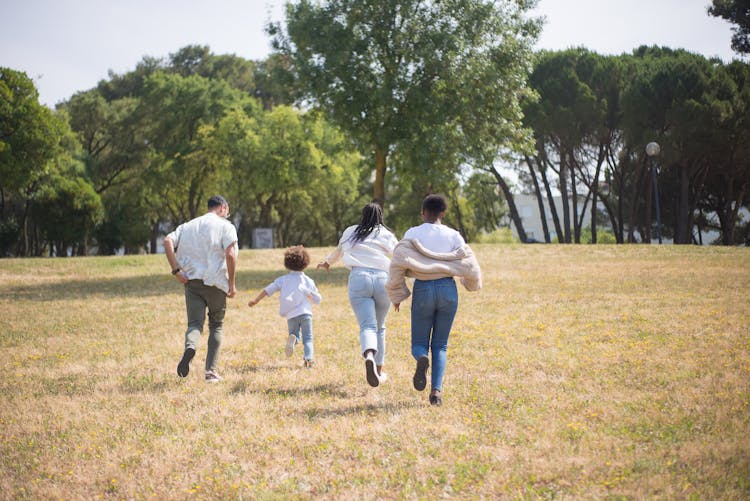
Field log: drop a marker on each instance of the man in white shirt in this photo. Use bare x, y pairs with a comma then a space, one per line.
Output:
203, 256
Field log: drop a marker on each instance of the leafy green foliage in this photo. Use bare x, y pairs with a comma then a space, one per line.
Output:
736, 12
400, 75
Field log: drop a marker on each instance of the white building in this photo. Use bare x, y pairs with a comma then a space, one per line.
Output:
528, 210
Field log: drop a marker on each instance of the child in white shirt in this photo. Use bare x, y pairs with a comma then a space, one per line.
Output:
296, 292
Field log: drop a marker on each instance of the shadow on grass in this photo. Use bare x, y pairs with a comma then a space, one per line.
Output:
326, 391
148, 285
337, 390
368, 409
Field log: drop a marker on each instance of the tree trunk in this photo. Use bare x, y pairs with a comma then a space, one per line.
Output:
683, 216
574, 197
635, 201
381, 155
564, 195
539, 199
511, 204
154, 236
552, 206
595, 191
459, 219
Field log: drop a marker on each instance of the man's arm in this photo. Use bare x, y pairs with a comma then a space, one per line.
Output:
231, 256
172, 259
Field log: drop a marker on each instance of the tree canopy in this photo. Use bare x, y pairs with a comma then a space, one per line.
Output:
392, 72
736, 12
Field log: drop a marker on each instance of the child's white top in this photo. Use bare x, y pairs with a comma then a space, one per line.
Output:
372, 252
435, 237
294, 288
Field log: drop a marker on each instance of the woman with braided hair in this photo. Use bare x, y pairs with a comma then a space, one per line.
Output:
365, 249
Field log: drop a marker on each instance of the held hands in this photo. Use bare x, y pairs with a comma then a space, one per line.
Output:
324, 265
396, 306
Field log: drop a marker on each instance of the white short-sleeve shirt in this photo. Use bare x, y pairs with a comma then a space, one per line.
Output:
436, 237
200, 246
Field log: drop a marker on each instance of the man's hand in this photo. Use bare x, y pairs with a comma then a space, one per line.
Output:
181, 277
232, 291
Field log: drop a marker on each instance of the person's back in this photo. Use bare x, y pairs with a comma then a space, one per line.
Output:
203, 257
433, 254
297, 292
435, 237
365, 249
200, 248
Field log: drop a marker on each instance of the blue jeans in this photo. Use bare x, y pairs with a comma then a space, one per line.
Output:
433, 308
370, 303
303, 323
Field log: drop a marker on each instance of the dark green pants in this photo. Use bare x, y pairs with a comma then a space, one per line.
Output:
199, 298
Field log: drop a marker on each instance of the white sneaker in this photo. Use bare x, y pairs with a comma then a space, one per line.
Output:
370, 369
383, 377
290, 342
212, 377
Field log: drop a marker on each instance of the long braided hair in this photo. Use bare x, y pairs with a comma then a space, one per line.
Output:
372, 217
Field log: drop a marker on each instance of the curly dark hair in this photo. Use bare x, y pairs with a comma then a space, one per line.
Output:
296, 258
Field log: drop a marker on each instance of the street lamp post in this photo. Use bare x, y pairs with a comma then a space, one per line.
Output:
652, 150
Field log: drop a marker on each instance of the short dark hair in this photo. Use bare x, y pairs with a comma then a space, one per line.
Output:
216, 201
434, 205
296, 258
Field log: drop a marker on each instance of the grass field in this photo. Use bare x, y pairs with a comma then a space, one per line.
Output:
578, 372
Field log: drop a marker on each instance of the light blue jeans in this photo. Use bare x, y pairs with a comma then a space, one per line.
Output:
433, 308
303, 324
370, 303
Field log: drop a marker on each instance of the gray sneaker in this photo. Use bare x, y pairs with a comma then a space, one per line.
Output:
290, 342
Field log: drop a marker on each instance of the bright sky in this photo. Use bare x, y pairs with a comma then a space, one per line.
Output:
67, 46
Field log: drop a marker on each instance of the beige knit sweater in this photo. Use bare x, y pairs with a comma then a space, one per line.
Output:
411, 259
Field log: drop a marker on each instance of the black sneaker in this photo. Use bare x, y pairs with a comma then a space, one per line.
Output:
370, 370
420, 374
183, 368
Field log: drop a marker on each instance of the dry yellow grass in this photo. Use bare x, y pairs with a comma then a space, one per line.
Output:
578, 372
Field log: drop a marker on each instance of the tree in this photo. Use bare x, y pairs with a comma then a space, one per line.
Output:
67, 210
176, 108
736, 12
31, 139
727, 183
392, 69
668, 100
573, 123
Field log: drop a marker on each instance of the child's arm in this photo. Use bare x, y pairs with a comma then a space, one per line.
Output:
314, 296
255, 301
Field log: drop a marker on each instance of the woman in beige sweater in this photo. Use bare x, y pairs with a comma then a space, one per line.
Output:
433, 254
